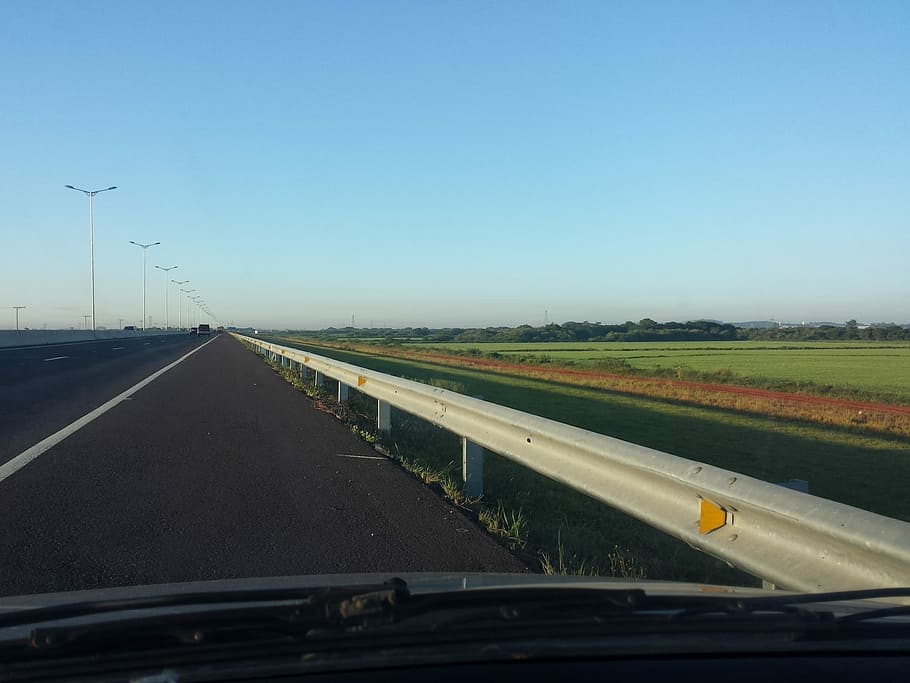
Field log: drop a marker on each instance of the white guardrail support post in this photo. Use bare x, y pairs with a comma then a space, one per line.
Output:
472, 467
791, 539
342, 391
317, 378
383, 416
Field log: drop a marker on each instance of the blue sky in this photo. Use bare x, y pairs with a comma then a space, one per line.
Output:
458, 163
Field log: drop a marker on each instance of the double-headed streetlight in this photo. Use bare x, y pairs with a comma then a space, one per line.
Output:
179, 284
145, 248
167, 316
91, 234
18, 308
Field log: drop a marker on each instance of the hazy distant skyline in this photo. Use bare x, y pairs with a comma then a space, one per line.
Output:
461, 164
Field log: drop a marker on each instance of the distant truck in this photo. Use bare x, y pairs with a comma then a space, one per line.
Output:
203, 328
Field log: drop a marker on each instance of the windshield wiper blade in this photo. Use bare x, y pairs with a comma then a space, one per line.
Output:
789, 603
216, 618
316, 615
309, 596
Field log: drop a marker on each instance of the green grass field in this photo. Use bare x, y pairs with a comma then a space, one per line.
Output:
841, 464
876, 368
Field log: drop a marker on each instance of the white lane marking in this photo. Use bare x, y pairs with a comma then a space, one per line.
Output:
55, 358
362, 457
29, 454
117, 348
146, 343
28, 347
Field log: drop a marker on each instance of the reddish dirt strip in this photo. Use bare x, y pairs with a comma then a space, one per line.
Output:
767, 394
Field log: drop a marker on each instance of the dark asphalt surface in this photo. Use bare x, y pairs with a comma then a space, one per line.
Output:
39, 396
220, 469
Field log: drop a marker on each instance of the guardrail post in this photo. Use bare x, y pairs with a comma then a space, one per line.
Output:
383, 416
317, 378
342, 392
472, 467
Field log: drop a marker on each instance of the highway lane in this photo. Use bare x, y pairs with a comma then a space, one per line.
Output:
220, 469
44, 388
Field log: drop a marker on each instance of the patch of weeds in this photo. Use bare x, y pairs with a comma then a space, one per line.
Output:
364, 434
509, 525
565, 564
426, 474
624, 564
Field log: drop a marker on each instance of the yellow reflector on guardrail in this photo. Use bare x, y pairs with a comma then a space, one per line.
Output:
712, 517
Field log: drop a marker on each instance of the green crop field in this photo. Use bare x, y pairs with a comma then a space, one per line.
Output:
841, 463
878, 368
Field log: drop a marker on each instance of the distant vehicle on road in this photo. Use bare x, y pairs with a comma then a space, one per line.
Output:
203, 328
129, 327
192, 330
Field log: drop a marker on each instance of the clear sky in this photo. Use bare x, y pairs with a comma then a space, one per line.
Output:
458, 163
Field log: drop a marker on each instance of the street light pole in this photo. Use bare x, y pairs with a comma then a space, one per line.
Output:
91, 234
187, 297
179, 284
167, 316
196, 300
145, 248
18, 308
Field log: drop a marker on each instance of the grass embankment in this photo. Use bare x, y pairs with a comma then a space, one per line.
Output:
864, 470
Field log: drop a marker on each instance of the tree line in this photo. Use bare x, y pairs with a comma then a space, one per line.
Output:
643, 330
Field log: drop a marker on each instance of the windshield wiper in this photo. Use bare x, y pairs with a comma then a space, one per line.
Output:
330, 613
305, 597
791, 603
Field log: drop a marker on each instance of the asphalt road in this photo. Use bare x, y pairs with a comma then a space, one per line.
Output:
45, 388
216, 469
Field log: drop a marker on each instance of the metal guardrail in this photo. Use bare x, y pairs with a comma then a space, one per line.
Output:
789, 539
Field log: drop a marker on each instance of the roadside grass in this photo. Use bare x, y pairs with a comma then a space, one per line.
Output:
621, 563
565, 531
510, 525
